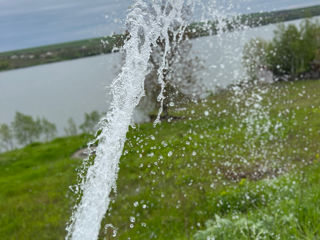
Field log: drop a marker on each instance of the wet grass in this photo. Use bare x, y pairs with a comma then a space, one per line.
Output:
283, 208
176, 177
34, 197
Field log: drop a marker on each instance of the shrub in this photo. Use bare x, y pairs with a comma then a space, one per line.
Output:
6, 137
289, 55
90, 122
71, 129
26, 129
48, 129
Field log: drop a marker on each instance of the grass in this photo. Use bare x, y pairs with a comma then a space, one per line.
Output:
283, 208
34, 184
206, 173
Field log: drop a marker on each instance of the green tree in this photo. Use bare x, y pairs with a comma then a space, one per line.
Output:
286, 49
290, 54
255, 56
181, 71
181, 75
6, 137
4, 65
48, 129
26, 129
71, 129
310, 46
90, 122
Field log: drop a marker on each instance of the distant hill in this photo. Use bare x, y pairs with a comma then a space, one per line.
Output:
91, 47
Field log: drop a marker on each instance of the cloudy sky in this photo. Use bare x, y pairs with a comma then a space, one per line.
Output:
28, 23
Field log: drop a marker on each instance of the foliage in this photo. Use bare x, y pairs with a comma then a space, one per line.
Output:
26, 129
294, 49
180, 75
255, 57
6, 137
71, 129
4, 65
291, 211
90, 122
290, 54
48, 129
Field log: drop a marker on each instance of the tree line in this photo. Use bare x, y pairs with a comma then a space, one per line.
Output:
25, 129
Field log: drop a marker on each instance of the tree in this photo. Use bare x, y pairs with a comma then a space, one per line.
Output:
6, 137
26, 130
48, 129
290, 54
71, 129
286, 49
181, 72
255, 55
181, 75
90, 122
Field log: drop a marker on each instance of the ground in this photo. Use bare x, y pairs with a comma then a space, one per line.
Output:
221, 165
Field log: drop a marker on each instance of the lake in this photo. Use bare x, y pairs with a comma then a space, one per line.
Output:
67, 89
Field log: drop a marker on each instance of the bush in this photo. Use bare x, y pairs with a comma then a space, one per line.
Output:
26, 130
48, 129
290, 54
71, 129
4, 65
6, 137
291, 211
90, 122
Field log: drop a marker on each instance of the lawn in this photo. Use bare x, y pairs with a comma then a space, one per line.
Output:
225, 167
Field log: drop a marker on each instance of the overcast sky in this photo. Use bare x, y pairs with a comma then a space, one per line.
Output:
28, 23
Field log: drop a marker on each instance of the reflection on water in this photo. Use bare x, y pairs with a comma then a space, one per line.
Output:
69, 89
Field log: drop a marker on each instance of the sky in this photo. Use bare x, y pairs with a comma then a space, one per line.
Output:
30, 23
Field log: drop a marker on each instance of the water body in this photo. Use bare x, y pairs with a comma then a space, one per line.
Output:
67, 89
58, 91
223, 54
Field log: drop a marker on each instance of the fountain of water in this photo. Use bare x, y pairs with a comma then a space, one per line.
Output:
151, 22
148, 22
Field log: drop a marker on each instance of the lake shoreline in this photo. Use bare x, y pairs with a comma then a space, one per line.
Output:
36, 56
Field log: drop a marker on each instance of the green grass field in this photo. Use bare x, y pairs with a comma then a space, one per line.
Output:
200, 174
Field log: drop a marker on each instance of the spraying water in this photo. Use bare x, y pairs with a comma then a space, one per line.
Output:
148, 22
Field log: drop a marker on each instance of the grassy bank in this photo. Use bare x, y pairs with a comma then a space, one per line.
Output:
96, 46
203, 166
